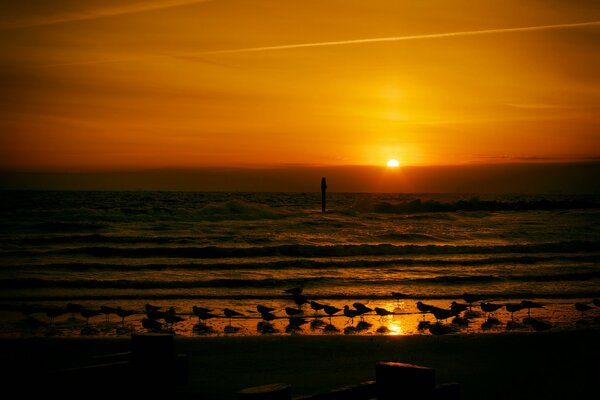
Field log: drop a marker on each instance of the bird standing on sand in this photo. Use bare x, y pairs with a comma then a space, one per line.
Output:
331, 310
123, 314
423, 308
583, 307
201, 310
87, 314
361, 309
382, 312
229, 313
316, 306
54, 312
106, 310
150, 307
441, 313
299, 300
512, 308
151, 324
457, 308
350, 313
471, 298
297, 291
529, 305
267, 316
490, 308
292, 312
264, 309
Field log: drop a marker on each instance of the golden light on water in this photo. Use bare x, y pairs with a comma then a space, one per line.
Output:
395, 328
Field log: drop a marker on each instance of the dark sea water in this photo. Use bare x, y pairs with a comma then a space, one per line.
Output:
237, 250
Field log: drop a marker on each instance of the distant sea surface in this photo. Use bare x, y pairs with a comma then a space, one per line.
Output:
182, 248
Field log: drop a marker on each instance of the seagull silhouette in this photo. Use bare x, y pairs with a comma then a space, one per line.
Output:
229, 313
331, 310
583, 307
350, 313
264, 309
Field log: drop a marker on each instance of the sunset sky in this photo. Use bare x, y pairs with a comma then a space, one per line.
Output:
103, 85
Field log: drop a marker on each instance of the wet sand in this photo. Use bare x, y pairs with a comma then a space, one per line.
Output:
548, 365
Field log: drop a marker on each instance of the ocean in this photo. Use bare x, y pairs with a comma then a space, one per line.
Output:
237, 250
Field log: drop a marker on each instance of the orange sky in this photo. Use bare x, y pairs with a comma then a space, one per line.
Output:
113, 84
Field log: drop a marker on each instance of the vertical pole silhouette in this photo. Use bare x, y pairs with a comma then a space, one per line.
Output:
323, 194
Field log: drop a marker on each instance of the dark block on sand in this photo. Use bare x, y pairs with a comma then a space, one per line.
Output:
404, 381
275, 391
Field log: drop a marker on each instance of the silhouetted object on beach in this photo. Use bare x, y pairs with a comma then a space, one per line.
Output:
316, 323
331, 310
316, 306
264, 309
229, 313
292, 311
155, 314
350, 313
151, 324
512, 308
123, 314
382, 312
171, 317
423, 308
295, 324
299, 299
460, 321
490, 308
538, 325
440, 329
265, 327
441, 314
54, 312
583, 307
361, 309
399, 296
267, 316
471, 298
296, 291
150, 307
490, 323
87, 314
323, 194
106, 310
596, 302
74, 308
529, 305
200, 310
457, 308
330, 328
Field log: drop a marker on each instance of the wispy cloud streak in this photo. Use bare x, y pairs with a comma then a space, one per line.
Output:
346, 42
404, 38
98, 13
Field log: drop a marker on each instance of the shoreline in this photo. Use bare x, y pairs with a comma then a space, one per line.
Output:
492, 365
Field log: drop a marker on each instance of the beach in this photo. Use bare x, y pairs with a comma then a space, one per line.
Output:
492, 366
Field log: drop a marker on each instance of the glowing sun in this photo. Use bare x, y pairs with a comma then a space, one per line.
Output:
393, 164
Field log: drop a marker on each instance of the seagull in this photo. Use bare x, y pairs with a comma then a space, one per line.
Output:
490, 308
229, 313
123, 314
106, 310
440, 329
424, 308
154, 314
471, 298
54, 312
382, 312
512, 308
87, 314
350, 313
171, 318
151, 324
361, 309
150, 307
292, 311
441, 313
457, 308
200, 310
330, 310
299, 300
297, 291
539, 325
529, 305
583, 307
263, 309
267, 316
316, 306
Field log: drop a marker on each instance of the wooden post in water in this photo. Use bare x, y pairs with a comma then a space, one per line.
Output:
323, 194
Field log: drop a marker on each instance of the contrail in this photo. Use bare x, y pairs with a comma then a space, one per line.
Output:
400, 38
344, 42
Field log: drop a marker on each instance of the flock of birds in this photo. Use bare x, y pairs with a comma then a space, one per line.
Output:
156, 319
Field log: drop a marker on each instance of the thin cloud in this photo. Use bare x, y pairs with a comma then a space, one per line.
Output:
346, 42
403, 38
99, 13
